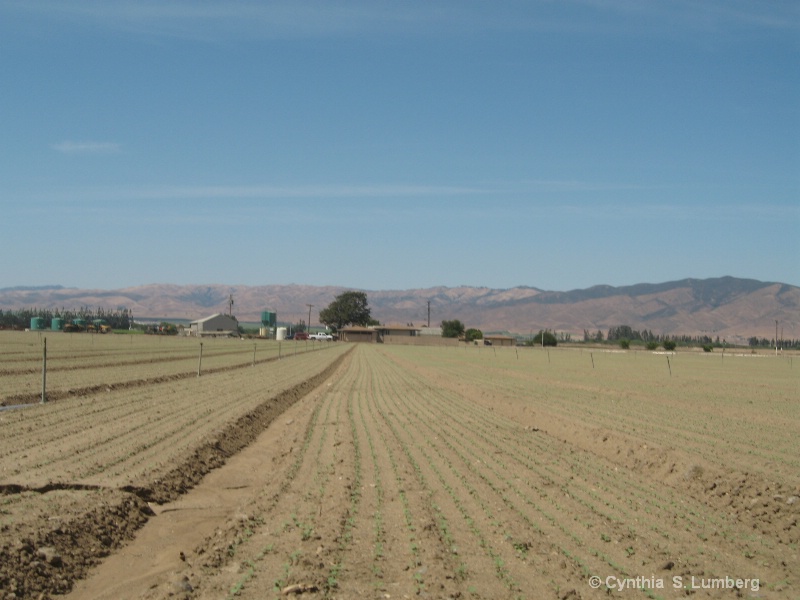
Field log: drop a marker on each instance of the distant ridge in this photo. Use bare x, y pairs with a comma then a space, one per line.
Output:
28, 288
726, 307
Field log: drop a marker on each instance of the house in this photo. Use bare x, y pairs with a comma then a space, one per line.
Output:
500, 340
385, 331
215, 325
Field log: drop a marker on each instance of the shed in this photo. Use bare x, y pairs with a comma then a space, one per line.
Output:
215, 325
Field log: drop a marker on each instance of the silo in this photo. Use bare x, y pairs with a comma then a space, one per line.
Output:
56, 324
37, 323
280, 333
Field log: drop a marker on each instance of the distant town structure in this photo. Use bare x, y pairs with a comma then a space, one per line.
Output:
214, 325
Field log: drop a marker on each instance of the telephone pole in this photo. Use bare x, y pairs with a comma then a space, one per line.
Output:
308, 327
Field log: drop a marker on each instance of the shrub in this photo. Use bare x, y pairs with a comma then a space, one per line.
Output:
669, 345
624, 344
651, 345
707, 347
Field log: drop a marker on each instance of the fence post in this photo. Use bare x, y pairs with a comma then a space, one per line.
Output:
254, 355
44, 370
200, 360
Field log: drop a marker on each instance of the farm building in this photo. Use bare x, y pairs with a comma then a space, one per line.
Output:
500, 340
215, 325
385, 331
358, 334
406, 335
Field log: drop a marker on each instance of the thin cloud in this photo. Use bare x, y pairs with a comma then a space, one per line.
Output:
268, 192
213, 20
70, 147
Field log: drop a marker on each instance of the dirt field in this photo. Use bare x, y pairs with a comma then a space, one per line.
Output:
391, 472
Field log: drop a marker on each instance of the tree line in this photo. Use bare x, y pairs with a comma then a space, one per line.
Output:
626, 332
20, 319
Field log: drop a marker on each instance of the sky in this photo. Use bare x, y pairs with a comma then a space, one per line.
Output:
396, 145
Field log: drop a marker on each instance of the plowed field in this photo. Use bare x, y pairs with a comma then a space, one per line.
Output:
434, 472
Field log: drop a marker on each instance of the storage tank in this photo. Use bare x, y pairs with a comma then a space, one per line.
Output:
56, 324
269, 319
37, 323
280, 333
263, 332
79, 322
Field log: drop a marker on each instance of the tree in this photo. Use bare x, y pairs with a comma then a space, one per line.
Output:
549, 339
348, 308
452, 329
473, 334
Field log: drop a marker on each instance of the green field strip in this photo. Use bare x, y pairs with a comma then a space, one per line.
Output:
413, 515
484, 458
499, 556
452, 536
275, 561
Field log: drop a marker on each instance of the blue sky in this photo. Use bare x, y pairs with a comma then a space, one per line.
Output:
391, 145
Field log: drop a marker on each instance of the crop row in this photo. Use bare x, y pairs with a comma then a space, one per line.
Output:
720, 411
408, 484
124, 436
78, 370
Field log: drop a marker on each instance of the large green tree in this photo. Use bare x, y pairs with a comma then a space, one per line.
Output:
348, 308
452, 329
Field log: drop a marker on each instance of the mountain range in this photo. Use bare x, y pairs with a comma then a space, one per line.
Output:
732, 308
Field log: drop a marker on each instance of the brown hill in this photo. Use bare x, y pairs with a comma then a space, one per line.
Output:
728, 307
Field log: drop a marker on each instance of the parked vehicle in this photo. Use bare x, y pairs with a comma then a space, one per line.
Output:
321, 337
300, 335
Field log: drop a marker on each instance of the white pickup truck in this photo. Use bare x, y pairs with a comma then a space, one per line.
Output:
321, 337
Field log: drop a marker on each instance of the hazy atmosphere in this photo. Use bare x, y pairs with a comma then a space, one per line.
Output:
399, 145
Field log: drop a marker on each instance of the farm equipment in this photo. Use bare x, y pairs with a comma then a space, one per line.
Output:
88, 328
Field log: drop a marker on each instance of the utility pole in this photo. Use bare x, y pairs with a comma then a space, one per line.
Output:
308, 327
230, 305
776, 337
429, 314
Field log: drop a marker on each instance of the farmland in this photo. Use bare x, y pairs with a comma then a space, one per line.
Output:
396, 471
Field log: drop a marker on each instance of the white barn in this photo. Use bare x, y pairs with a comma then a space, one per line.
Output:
215, 325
